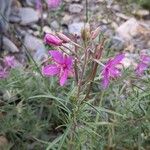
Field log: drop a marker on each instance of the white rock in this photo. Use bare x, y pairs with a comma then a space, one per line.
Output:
75, 28
129, 29
46, 29
75, 8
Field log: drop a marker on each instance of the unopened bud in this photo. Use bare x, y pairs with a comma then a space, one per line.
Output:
85, 32
52, 40
95, 33
63, 37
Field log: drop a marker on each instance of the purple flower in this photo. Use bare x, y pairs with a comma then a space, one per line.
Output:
52, 40
38, 5
9, 61
3, 73
110, 70
62, 66
53, 3
143, 65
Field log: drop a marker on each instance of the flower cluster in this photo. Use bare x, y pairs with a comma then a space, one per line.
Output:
62, 64
7, 63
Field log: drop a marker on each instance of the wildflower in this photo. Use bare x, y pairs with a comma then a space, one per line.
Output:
143, 65
9, 61
110, 70
52, 40
53, 3
38, 5
62, 66
3, 73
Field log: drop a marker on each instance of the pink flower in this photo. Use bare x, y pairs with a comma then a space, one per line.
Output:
143, 65
62, 66
9, 61
110, 70
53, 3
52, 40
3, 73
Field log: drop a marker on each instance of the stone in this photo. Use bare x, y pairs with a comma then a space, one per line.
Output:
28, 15
3, 142
117, 43
5, 9
46, 29
116, 8
30, 3
141, 13
129, 60
35, 46
14, 18
9, 45
75, 8
54, 25
75, 28
129, 29
66, 19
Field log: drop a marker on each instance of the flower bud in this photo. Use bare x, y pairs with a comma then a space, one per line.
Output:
63, 37
52, 40
95, 33
85, 32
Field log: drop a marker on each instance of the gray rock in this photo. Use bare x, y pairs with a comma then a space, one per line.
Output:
5, 8
117, 43
9, 45
35, 46
30, 2
75, 8
14, 18
54, 25
75, 28
27, 16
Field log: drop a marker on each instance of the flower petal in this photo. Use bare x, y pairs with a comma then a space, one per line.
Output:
68, 61
145, 59
50, 70
3, 73
64, 77
105, 80
114, 72
141, 68
118, 58
57, 56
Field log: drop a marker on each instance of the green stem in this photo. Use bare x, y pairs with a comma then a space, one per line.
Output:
86, 9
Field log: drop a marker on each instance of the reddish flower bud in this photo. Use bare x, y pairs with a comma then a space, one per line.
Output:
95, 33
52, 40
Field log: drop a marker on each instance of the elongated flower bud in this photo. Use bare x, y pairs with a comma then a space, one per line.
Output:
52, 40
85, 32
63, 37
95, 33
